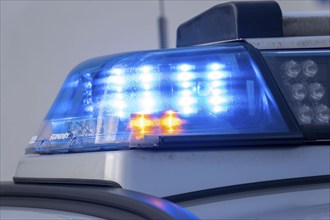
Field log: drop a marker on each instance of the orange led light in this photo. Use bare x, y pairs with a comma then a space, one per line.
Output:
170, 123
141, 124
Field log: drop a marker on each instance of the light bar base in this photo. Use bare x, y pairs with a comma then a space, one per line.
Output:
166, 173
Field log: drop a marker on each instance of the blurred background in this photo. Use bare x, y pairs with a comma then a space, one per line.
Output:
41, 41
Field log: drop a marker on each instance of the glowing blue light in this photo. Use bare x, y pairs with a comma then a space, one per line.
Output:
119, 96
146, 109
116, 71
121, 114
146, 87
186, 93
146, 77
119, 104
88, 85
186, 101
89, 108
146, 69
217, 83
187, 110
147, 94
185, 67
147, 102
186, 76
217, 92
215, 75
215, 100
218, 108
119, 89
186, 84
87, 93
117, 80
216, 66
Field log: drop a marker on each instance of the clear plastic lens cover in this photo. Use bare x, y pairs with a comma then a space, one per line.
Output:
303, 77
130, 100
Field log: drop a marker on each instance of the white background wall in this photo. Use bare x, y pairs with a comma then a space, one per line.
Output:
41, 41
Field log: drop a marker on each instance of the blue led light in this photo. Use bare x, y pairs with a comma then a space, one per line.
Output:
216, 100
187, 110
186, 93
215, 75
217, 83
119, 96
186, 101
119, 104
146, 69
185, 67
146, 75
217, 92
117, 80
127, 99
215, 66
116, 71
87, 93
186, 84
185, 76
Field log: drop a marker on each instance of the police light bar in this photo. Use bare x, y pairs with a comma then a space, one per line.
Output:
228, 94
189, 97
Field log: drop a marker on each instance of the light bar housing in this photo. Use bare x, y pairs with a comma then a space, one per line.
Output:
190, 97
303, 78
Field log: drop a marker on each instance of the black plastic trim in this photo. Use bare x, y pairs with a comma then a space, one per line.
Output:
232, 20
109, 202
66, 181
220, 191
230, 140
275, 90
311, 133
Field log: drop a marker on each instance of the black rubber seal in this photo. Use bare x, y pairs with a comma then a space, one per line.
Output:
67, 181
248, 187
